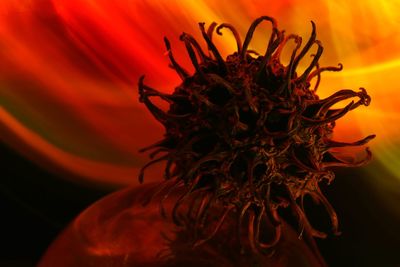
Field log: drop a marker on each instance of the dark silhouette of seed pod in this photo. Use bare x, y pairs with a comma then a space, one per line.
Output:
247, 137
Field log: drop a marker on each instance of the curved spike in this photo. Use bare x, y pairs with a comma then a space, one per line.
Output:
272, 45
251, 236
290, 67
325, 104
365, 100
303, 220
166, 97
204, 215
210, 30
318, 78
279, 49
318, 71
214, 50
141, 172
235, 34
332, 143
157, 144
344, 92
157, 151
196, 45
212, 157
340, 163
189, 47
331, 211
196, 209
199, 211
251, 30
275, 239
183, 74
310, 233
153, 92
271, 212
306, 47
158, 113
314, 62
340, 113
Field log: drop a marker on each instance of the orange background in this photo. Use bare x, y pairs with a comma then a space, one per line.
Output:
69, 72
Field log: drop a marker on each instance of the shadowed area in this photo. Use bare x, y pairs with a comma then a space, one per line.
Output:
35, 206
36, 210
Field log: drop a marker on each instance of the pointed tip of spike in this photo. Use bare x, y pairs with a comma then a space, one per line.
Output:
202, 26
141, 78
167, 43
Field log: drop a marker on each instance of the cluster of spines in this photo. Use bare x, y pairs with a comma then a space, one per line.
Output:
263, 117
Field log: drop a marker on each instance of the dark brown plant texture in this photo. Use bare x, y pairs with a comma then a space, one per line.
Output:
249, 135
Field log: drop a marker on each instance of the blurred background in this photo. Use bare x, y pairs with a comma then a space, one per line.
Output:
71, 124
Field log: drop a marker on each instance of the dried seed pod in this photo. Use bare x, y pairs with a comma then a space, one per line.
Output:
248, 136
